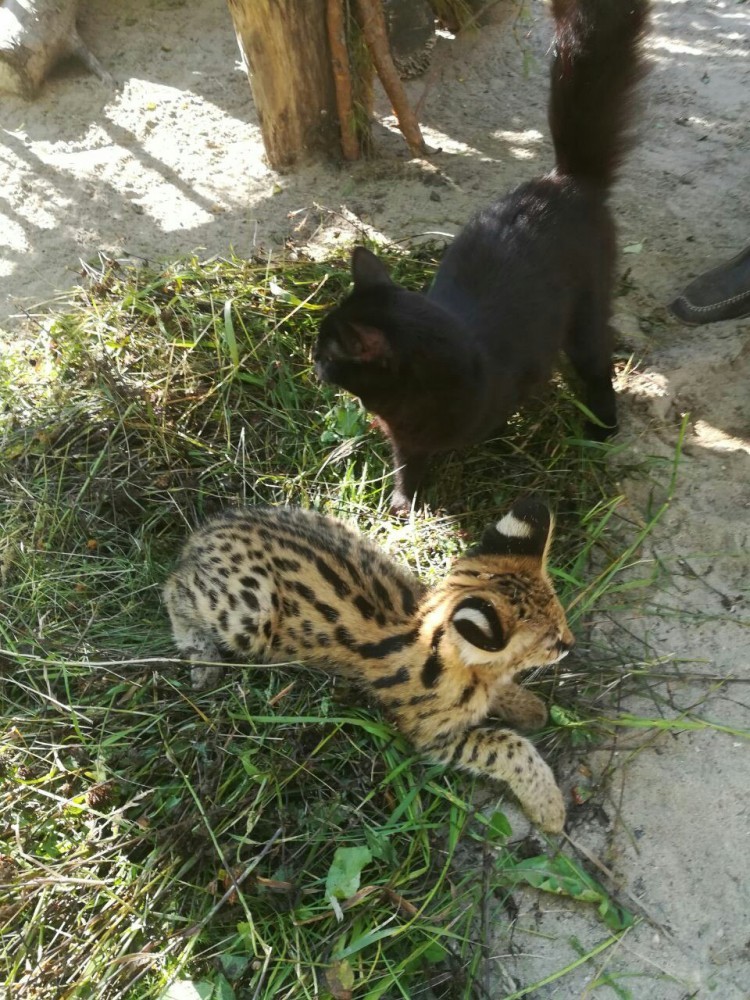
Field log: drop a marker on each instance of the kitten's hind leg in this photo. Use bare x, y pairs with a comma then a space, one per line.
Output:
589, 345
194, 640
505, 756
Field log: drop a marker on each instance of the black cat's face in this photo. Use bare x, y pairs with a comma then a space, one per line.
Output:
354, 348
382, 339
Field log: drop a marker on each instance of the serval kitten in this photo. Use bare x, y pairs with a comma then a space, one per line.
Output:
280, 584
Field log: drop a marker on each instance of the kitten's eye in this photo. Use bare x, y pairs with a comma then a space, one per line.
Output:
476, 620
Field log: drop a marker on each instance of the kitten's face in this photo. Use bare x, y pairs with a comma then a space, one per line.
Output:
500, 607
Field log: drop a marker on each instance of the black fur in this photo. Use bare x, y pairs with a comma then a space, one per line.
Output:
529, 275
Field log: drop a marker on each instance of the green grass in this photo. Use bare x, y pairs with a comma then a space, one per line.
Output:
149, 833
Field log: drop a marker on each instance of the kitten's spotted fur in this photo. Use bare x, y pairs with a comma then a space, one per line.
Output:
280, 584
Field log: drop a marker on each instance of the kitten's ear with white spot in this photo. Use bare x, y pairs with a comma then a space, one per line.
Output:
526, 530
476, 621
368, 271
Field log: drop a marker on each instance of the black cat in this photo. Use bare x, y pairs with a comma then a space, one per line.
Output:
529, 275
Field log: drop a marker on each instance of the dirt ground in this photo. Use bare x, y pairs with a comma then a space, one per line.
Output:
172, 162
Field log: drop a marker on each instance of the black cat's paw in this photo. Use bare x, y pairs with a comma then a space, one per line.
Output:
401, 505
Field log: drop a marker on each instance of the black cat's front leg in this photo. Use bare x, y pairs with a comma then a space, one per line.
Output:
408, 471
589, 346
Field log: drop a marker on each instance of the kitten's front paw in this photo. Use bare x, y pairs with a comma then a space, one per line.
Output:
520, 707
547, 812
202, 676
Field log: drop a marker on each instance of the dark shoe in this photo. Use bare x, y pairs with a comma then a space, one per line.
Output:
723, 293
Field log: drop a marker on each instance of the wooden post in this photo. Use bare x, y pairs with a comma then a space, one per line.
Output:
285, 50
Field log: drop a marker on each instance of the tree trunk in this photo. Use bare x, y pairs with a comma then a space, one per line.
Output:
34, 35
284, 46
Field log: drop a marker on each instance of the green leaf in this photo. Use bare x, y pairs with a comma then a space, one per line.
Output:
498, 828
562, 876
234, 965
229, 335
222, 989
435, 952
344, 874
340, 979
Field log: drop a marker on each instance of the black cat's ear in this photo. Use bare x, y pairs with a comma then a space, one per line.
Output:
526, 530
368, 271
476, 620
364, 343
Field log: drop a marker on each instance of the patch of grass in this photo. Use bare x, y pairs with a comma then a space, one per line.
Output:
150, 834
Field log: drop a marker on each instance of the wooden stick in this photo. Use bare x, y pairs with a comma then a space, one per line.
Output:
374, 29
342, 79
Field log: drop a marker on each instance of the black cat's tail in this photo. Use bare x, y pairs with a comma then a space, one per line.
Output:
596, 62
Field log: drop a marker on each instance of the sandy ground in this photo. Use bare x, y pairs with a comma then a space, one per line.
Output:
172, 162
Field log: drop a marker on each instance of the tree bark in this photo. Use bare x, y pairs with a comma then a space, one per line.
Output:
285, 50
34, 35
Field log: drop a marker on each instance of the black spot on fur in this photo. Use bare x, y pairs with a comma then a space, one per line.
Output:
340, 585
467, 693
285, 565
366, 608
400, 676
250, 599
431, 670
407, 600
328, 612
304, 591
384, 598
385, 647
344, 637
459, 747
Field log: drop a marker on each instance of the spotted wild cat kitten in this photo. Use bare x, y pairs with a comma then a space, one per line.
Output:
274, 584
